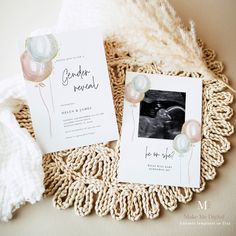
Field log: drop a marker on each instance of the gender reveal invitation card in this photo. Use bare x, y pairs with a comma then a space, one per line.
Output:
69, 91
161, 135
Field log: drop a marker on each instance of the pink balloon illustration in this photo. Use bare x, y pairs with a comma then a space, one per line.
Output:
192, 129
36, 62
35, 71
132, 95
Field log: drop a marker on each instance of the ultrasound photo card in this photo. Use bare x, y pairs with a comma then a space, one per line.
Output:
149, 128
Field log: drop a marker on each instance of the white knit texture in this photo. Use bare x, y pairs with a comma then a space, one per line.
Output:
21, 171
82, 14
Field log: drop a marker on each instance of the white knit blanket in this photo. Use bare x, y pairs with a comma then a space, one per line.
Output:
21, 172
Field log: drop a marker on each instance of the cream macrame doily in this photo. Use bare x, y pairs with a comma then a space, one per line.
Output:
86, 177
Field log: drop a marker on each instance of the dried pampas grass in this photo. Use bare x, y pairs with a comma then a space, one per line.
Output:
151, 31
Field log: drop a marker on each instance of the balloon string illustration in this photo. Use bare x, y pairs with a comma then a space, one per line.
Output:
36, 62
51, 93
189, 161
46, 107
133, 133
190, 134
180, 171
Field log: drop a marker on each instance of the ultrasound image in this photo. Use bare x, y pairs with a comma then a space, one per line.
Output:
162, 114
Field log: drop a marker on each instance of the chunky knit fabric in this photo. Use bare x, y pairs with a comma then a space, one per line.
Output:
21, 172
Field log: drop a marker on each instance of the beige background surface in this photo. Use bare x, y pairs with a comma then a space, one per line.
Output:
216, 25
